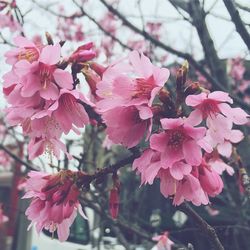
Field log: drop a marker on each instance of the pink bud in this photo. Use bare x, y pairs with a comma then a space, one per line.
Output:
92, 79
99, 69
114, 203
86, 46
211, 182
82, 56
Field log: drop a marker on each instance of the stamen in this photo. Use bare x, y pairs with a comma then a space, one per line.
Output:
176, 139
29, 54
143, 88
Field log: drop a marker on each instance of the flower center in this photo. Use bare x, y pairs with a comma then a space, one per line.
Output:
46, 74
209, 107
143, 87
176, 138
29, 54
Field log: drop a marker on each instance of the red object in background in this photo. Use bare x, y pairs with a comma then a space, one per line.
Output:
114, 202
14, 197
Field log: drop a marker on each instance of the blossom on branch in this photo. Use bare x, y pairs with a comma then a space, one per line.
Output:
54, 201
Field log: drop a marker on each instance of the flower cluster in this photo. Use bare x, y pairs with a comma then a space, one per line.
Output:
54, 203
126, 93
183, 150
176, 155
183, 153
42, 96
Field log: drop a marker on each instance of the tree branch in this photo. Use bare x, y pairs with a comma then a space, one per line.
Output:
235, 16
16, 158
214, 63
203, 225
101, 28
186, 56
85, 180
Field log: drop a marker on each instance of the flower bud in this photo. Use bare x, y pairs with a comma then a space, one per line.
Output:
49, 38
98, 68
114, 202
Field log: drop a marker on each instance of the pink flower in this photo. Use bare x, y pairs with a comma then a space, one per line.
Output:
177, 180
128, 125
148, 165
189, 188
43, 75
83, 53
26, 50
163, 241
217, 164
179, 141
208, 106
66, 111
117, 88
54, 201
53, 146
221, 134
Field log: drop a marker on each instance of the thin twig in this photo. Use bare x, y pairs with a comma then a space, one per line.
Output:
16, 158
203, 225
235, 16
186, 56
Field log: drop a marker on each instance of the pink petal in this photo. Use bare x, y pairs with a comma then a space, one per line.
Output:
63, 78
167, 184
21, 41
195, 100
225, 149
237, 115
171, 123
145, 112
195, 133
195, 118
220, 96
158, 142
235, 136
50, 54
179, 169
152, 171
170, 156
50, 93
142, 65
192, 153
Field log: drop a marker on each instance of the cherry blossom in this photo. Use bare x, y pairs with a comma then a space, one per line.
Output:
118, 89
208, 106
179, 141
128, 125
54, 203
43, 75
26, 50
